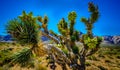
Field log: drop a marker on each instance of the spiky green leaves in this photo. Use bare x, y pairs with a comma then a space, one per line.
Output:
73, 38
40, 19
23, 57
72, 16
27, 18
93, 9
99, 39
44, 22
53, 33
5, 55
75, 49
13, 27
94, 12
91, 43
84, 20
62, 26
76, 34
24, 29
65, 51
45, 19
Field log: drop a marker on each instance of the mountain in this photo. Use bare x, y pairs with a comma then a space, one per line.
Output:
114, 40
6, 38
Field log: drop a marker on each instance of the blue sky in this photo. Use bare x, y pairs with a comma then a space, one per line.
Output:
108, 23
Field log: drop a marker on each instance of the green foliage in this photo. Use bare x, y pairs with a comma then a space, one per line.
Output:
65, 51
44, 22
102, 68
24, 29
84, 20
76, 34
111, 52
94, 10
45, 19
5, 56
75, 49
40, 67
91, 43
62, 26
73, 38
23, 57
92, 58
87, 64
99, 39
72, 16
101, 55
53, 33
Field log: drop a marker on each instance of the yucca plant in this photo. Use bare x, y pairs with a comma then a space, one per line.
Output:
25, 30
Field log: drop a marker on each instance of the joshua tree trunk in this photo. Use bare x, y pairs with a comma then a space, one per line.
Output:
82, 61
52, 62
89, 32
82, 58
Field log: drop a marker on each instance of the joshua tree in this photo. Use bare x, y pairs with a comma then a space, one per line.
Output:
68, 47
25, 31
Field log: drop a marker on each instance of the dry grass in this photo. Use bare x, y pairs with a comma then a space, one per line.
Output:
104, 59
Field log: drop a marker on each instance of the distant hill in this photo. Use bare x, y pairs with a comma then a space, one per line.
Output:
112, 40
6, 38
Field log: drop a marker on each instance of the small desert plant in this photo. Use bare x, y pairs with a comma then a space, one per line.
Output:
92, 58
107, 61
102, 68
5, 55
118, 56
87, 64
101, 55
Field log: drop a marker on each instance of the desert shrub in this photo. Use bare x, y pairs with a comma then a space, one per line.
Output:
5, 56
111, 57
40, 67
107, 61
118, 56
101, 55
92, 58
87, 64
112, 52
102, 68
75, 49
65, 51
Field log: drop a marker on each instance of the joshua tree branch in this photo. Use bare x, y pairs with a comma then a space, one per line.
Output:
51, 37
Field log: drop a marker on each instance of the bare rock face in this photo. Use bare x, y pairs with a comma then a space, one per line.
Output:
116, 39
111, 40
